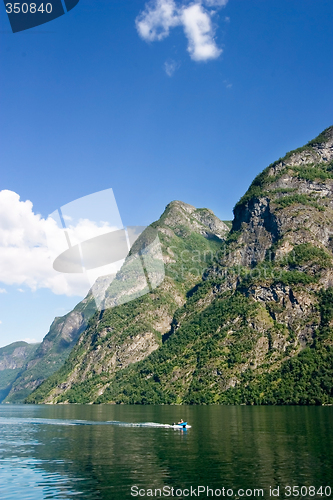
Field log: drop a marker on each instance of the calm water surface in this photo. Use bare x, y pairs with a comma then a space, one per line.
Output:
61, 452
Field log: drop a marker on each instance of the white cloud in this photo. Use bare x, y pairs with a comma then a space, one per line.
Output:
155, 21
3, 290
199, 31
25, 257
0, 322
159, 16
170, 67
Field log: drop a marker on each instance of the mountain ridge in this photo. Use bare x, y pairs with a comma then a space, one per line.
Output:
258, 328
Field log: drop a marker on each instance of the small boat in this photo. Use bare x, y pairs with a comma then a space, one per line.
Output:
181, 425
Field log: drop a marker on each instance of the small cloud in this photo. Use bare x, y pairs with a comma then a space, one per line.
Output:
0, 322
2, 290
170, 67
227, 19
155, 21
20, 290
29, 341
227, 84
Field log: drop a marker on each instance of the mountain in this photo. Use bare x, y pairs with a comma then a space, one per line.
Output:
258, 327
207, 233
188, 239
13, 359
48, 356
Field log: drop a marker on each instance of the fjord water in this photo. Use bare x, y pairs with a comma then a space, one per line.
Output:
69, 451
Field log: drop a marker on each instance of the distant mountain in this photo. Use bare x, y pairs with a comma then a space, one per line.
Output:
48, 356
257, 329
13, 359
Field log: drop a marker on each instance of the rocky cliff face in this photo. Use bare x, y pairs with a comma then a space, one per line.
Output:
258, 327
283, 234
294, 196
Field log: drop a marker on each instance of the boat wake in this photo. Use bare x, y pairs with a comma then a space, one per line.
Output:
54, 421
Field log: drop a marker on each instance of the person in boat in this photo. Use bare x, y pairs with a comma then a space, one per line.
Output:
181, 421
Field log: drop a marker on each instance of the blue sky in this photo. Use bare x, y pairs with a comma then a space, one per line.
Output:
87, 104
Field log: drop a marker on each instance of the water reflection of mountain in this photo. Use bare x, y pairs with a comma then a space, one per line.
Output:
248, 447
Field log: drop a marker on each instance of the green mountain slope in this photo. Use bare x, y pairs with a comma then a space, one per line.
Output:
258, 328
128, 333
